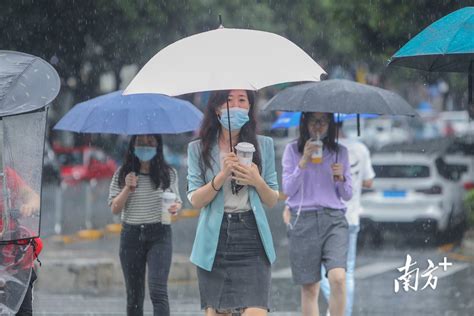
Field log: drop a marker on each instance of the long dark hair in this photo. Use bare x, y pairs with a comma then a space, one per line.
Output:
210, 128
329, 141
159, 169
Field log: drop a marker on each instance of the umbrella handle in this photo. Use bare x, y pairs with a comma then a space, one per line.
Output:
358, 124
337, 136
230, 133
469, 83
220, 21
337, 140
232, 183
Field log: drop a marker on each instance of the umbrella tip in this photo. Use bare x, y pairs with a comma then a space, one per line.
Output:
221, 26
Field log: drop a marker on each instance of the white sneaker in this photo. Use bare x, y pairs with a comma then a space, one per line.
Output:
327, 312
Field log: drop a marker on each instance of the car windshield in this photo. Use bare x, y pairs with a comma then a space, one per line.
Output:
401, 171
70, 159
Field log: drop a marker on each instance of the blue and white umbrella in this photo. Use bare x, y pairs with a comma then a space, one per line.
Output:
135, 114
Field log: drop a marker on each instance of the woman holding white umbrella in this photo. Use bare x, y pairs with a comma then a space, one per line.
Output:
233, 249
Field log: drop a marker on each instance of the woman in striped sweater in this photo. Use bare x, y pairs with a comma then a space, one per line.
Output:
136, 192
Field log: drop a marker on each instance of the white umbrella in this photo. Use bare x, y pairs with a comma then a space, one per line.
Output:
225, 59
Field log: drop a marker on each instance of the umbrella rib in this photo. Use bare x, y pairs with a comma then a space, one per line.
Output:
84, 128
165, 114
18, 78
304, 97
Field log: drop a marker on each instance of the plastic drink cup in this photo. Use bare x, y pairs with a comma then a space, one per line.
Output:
245, 153
317, 155
169, 198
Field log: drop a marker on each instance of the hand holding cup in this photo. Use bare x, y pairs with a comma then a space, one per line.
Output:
230, 160
247, 175
169, 203
174, 208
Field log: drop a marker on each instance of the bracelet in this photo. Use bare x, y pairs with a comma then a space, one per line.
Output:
212, 184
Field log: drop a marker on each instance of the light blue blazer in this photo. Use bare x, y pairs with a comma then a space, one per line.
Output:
207, 233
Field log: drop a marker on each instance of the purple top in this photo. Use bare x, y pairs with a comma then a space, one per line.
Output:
320, 189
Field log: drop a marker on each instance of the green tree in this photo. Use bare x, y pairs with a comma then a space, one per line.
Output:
376, 29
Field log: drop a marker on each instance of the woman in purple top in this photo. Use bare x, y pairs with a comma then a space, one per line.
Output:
317, 230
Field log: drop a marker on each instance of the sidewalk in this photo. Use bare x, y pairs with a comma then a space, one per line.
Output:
466, 251
93, 267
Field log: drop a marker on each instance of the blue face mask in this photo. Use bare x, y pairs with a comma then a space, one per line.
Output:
238, 118
145, 153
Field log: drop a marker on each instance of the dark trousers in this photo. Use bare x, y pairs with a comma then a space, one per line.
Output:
142, 245
26, 308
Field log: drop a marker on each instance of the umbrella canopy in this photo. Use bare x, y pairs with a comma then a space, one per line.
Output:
292, 119
339, 96
447, 45
137, 114
225, 59
27, 83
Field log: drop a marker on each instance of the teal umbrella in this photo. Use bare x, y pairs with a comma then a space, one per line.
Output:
447, 45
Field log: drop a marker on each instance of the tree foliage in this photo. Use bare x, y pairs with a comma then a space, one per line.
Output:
86, 38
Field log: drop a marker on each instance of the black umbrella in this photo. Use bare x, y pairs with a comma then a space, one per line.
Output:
339, 96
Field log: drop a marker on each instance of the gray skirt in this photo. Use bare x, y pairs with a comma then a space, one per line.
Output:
241, 273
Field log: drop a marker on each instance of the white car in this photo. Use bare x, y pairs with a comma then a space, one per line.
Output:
461, 152
413, 192
383, 131
465, 167
454, 123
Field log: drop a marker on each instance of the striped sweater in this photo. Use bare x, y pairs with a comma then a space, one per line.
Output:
144, 205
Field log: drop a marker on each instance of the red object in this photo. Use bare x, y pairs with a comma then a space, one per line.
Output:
38, 247
14, 183
84, 163
468, 186
17, 255
449, 129
11, 253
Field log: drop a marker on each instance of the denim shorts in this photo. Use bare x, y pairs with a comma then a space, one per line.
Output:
241, 273
319, 237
